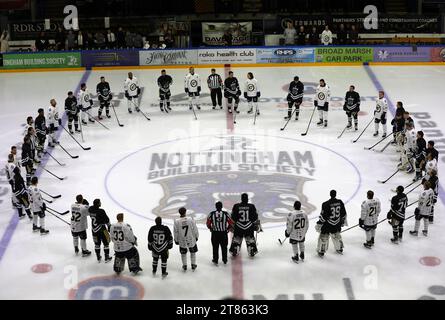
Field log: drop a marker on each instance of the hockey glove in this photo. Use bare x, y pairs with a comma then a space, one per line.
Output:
150, 247
326, 105
238, 93
67, 112
127, 95
245, 95
186, 90
199, 89
91, 103
170, 245
389, 215
318, 227
177, 243
417, 214
258, 94
286, 234
315, 103
85, 202
108, 226
138, 91
59, 121
43, 208
383, 118
361, 223
358, 107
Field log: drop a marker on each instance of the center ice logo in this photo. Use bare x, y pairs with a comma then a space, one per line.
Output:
196, 172
107, 288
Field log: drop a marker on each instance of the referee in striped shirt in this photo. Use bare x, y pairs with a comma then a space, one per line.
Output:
215, 84
219, 223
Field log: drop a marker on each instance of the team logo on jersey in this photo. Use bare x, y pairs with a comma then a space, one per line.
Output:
86, 97
193, 83
133, 87
250, 87
198, 171
107, 288
321, 96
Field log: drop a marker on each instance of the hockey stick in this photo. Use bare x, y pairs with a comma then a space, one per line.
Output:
381, 140
54, 175
98, 121
49, 153
193, 109
84, 148
309, 124
282, 241
81, 129
46, 200
58, 212
59, 218
414, 188
289, 119
384, 148
73, 157
384, 181
256, 112
409, 185
54, 197
115, 114
354, 141
342, 132
136, 106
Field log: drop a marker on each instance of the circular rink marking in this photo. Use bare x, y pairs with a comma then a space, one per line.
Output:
41, 268
107, 288
195, 172
430, 261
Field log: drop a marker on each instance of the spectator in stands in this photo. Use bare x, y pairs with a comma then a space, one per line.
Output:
42, 43
353, 35
154, 46
168, 39
111, 39
326, 36
4, 41
342, 35
146, 45
60, 39
128, 40
314, 37
80, 41
289, 34
89, 41
301, 36
120, 38
137, 41
99, 40
227, 38
70, 40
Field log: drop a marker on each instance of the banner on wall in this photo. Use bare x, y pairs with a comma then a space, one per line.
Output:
1, 60
285, 55
213, 32
168, 57
110, 58
42, 60
209, 56
438, 54
344, 54
401, 54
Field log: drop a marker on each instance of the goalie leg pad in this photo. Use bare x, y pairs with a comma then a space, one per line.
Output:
323, 242
337, 240
119, 262
133, 260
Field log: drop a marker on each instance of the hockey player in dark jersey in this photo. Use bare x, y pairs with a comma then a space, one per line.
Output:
72, 111
245, 217
41, 131
164, 83
294, 97
396, 216
27, 159
419, 154
398, 123
332, 218
104, 95
21, 194
100, 226
232, 92
160, 240
352, 107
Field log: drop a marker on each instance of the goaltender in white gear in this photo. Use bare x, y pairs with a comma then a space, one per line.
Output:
186, 235
371, 209
132, 91
296, 229
125, 243
192, 86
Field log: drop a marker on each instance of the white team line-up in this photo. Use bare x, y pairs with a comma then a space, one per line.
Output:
244, 218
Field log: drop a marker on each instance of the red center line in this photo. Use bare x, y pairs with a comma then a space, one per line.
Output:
237, 263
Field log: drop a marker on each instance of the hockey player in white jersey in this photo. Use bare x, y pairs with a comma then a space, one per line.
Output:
409, 147
424, 209
85, 103
132, 92
11, 169
185, 234
38, 207
192, 86
321, 101
296, 228
125, 243
29, 123
53, 123
79, 225
431, 164
381, 109
371, 208
252, 93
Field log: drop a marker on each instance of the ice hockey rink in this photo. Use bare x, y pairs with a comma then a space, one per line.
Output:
150, 168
